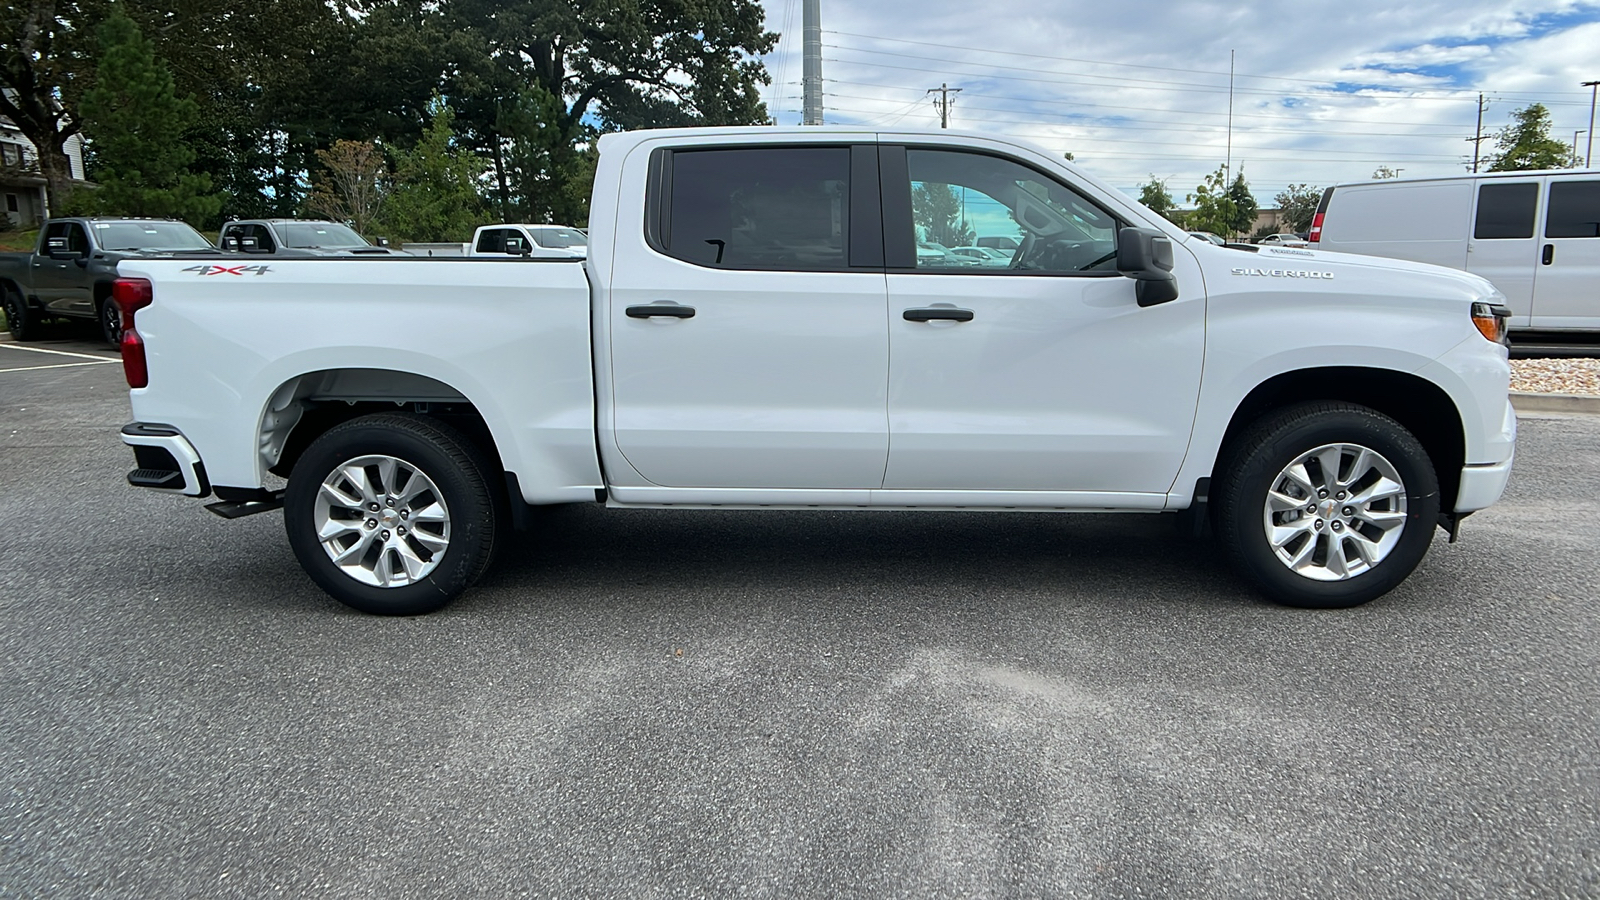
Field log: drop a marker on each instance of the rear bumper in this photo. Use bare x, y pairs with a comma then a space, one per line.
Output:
1481, 486
165, 460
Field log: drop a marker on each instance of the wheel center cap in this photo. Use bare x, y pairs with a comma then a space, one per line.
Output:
389, 518
1328, 508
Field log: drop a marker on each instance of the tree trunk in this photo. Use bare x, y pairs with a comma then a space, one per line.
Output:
56, 167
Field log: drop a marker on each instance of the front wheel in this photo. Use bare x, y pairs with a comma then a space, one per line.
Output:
19, 319
1326, 505
392, 514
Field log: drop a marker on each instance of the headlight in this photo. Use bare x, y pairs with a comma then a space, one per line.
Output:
1491, 320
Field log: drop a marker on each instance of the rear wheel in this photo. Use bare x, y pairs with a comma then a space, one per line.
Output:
20, 320
111, 322
1326, 505
392, 514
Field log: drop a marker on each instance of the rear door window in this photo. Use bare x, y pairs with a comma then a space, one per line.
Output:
1506, 211
782, 208
1574, 210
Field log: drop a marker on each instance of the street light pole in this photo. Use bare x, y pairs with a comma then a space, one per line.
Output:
1588, 156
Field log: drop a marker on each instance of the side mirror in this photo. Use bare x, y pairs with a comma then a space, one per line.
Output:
1145, 255
249, 245
229, 242
516, 246
382, 242
56, 248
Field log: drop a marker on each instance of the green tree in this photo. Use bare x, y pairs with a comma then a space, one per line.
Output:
1245, 206
1527, 144
540, 77
435, 195
936, 209
1153, 194
1297, 206
1214, 207
136, 124
46, 62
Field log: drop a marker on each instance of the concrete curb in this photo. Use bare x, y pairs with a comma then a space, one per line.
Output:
1578, 403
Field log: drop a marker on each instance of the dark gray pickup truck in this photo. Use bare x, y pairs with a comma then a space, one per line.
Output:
70, 272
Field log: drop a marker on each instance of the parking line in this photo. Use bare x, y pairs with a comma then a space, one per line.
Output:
11, 346
102, 362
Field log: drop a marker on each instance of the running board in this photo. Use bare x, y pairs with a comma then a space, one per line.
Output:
238, 509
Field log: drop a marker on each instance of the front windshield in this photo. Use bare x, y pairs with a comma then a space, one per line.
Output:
148, 236
560, 238
319, 236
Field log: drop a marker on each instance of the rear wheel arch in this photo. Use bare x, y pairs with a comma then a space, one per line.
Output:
307, 406
1417, 404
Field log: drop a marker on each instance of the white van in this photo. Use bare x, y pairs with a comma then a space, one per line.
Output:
1536, 235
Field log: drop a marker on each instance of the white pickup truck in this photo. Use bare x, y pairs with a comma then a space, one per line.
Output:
753, 327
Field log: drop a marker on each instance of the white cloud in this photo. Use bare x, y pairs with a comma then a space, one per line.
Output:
1048, 70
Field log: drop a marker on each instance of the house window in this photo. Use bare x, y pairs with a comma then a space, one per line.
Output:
11, 203
11, 154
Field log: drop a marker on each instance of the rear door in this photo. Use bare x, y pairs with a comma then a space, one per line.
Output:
1566, 291
1504, 248
749, 347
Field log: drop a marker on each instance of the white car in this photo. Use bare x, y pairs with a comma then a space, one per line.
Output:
1283, 240
984, 256
751, 329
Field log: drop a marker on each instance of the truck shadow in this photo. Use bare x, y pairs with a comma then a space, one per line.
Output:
582, 549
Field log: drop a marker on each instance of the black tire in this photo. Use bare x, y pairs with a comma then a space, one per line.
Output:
1252, 463
20, 319
110, 318
458, 469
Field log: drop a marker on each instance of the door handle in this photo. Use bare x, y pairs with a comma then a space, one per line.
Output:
938, 314
670, 310
1549, 254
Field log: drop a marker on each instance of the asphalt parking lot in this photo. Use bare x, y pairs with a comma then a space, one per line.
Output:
712, 704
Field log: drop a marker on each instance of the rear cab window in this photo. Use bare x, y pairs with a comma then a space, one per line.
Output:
769, 208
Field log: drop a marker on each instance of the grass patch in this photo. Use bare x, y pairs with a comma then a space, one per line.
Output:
19, 241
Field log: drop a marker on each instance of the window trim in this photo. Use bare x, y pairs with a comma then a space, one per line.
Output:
898, 163
864, 221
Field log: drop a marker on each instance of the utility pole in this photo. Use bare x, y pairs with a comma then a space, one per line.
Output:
943, 103
1227, 167
1478, 136
1588, 156
811, 63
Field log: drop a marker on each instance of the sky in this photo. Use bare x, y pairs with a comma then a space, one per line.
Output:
1324, 92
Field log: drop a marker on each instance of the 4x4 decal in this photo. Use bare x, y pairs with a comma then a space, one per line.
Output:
228, 270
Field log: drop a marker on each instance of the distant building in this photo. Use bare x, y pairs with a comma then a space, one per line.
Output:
21, 185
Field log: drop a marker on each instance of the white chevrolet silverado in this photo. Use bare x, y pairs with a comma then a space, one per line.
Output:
754, 327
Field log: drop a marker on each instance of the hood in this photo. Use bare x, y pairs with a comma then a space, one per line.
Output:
1454, 282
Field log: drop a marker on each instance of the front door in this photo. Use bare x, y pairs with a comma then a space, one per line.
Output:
1503, 248
1566, 291
1042, 375
748, 341
61, 284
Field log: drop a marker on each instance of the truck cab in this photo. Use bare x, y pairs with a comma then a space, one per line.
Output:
297, 237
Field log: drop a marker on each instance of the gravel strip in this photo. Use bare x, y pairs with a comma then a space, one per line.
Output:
1556, 376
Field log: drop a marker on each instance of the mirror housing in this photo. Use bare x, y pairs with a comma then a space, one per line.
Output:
516, 246
1145, 255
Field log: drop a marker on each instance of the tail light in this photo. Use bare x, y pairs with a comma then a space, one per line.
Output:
1316, 228
132, 295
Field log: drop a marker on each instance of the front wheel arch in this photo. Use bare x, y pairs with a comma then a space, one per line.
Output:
1417, 404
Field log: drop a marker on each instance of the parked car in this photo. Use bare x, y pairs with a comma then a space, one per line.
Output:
1004, 243
1283, 240
1208, 236
297, 237
751, 330
70, 272
984, 256
528, 240
1536, 235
